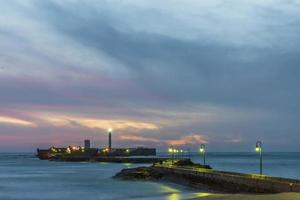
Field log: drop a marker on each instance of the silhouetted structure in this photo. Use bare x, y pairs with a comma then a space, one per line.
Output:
78, 153
109, 140
87, 144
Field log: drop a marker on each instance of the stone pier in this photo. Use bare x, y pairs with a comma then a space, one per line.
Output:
227, 181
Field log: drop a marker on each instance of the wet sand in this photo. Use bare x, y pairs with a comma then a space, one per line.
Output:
282, 196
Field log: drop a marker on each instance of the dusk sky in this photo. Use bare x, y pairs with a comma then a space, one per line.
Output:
160, 73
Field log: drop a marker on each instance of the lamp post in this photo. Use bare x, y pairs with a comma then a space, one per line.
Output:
171, 151
202, 150
181, 153
177, 152
258, 149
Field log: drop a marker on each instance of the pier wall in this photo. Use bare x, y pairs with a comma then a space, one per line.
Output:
147, 160
227, 181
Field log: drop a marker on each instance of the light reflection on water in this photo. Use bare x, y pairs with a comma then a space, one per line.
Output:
174, 197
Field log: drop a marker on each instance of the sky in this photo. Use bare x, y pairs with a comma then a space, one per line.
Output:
159, 73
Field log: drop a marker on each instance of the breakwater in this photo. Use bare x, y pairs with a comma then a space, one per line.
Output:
209, 179
146, 160
111, 159
227, 181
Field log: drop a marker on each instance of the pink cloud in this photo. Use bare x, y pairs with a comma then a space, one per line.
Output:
190, 139
135, 138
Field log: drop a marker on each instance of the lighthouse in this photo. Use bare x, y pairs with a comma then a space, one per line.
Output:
109, 139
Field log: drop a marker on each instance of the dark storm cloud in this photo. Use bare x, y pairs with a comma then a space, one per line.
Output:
189, 71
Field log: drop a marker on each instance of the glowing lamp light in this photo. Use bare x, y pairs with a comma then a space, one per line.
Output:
172, 151
202, 148
127, 150
257, 149
202, 151
74, 148
110, 130
68, 150
53, 149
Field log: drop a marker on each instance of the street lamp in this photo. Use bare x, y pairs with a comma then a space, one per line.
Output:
258, 149
178, 154
171, 151
181, 153
202, 150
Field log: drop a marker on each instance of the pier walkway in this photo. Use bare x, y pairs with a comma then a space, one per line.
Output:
230, 181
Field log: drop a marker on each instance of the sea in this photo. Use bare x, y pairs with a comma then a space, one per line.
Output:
25, 177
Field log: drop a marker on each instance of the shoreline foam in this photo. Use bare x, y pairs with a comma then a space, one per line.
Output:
281, 196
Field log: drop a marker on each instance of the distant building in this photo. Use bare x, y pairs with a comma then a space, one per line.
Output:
87, 144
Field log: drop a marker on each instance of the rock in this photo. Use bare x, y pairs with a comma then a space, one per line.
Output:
140, 173
188, 162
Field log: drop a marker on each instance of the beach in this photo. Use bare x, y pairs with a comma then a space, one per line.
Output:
283, 196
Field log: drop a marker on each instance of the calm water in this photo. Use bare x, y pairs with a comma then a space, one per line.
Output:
24, 177
274, 164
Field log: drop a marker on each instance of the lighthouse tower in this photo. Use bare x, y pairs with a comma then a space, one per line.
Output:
109, 139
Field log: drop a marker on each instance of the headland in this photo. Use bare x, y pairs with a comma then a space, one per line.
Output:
106, 154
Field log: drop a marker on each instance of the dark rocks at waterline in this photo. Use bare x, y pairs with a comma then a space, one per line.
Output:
189, 163
139, 173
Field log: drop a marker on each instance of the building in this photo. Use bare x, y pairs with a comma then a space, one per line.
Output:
87, 144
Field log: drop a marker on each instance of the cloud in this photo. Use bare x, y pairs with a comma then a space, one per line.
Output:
237, 140
189, 139
150, 67
116, 124
185, 140
135, 138
15, 121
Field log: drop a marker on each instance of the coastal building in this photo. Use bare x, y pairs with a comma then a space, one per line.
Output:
88, 153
